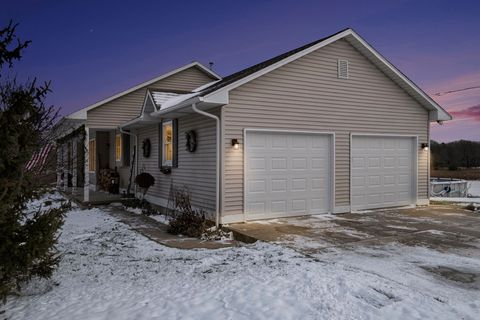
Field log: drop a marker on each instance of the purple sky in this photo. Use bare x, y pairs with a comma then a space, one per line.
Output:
93, 49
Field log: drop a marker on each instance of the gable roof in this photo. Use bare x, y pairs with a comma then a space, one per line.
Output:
259, 66
238, 78
82, 113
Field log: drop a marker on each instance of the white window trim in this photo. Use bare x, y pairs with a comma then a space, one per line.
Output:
165, 162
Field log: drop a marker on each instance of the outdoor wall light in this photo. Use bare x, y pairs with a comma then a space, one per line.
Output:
235, 144
425, 146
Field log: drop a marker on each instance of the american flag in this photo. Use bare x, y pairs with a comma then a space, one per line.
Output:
38, 159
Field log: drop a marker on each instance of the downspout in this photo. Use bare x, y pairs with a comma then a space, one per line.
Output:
136, 155
217, 200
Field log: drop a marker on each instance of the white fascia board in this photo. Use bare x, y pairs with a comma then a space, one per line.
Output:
149, 82
144, 119
178, 106
442, 115
219, 97
148, 97
80, 114
206, 70
280, 63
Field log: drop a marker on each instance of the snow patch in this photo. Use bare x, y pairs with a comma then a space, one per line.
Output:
109, 271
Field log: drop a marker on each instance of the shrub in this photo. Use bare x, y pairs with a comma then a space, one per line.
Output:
472, 207
143, 204
145, 180
27, 246
27, 241
452, 167
185, 220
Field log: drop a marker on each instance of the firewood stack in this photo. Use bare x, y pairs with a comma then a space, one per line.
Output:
105, 177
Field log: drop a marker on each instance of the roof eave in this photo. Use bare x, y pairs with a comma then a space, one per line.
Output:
138, 122
147, 83
375, 57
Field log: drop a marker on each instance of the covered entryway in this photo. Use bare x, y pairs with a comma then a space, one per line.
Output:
383, 171
287, 173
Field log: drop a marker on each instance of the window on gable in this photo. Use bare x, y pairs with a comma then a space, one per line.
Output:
167, 143
118, 147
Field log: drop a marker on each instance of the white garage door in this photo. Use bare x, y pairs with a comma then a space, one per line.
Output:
383, 171
287, 174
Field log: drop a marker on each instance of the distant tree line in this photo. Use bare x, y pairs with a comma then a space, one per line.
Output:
452, 155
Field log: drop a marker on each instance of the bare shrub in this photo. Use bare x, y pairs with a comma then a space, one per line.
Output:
185, 220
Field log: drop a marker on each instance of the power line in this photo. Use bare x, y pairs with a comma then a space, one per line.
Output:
457, 90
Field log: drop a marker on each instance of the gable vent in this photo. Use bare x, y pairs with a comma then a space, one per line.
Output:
343, 69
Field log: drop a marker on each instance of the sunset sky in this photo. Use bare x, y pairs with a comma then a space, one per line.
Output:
93, 49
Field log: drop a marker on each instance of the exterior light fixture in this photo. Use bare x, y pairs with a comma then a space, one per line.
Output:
425, 146
235, 144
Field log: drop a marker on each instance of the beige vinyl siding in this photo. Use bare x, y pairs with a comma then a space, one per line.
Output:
118, 111
306, 94
196, 170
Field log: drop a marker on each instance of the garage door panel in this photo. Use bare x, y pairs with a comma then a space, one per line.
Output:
292, 179
382, 171
279, 206
279, 141
299, 163
257, 207
278, 163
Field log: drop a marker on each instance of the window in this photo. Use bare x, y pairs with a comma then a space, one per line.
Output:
118, 147
92, 151
167, 143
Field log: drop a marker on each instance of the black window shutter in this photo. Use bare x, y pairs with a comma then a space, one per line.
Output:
126, 149
160, 144
175, 143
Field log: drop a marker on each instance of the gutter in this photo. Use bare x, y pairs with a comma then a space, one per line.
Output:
217, 188
136, 154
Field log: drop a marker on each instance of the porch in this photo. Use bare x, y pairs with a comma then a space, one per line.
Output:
94, 197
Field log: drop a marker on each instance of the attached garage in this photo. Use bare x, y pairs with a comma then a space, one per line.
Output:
287, 173
383, 171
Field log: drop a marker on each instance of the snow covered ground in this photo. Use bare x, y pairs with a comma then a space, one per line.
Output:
110, 272
474, 188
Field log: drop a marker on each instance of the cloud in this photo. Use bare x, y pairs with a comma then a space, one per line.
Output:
471, 112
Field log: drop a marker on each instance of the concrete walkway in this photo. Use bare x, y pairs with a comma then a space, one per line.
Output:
437, 227
157, 231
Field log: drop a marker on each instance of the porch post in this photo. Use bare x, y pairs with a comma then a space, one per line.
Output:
86, 186
65, 167
59, 164
74, 164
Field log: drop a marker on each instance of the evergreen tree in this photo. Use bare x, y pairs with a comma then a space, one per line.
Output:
27, 240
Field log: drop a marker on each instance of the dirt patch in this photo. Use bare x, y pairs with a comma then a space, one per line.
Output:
468, 174
452, 274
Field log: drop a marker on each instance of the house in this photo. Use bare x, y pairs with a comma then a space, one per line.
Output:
329, 127
89, 142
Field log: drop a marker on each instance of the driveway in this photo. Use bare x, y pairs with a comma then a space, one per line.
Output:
438, 227
384, 235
